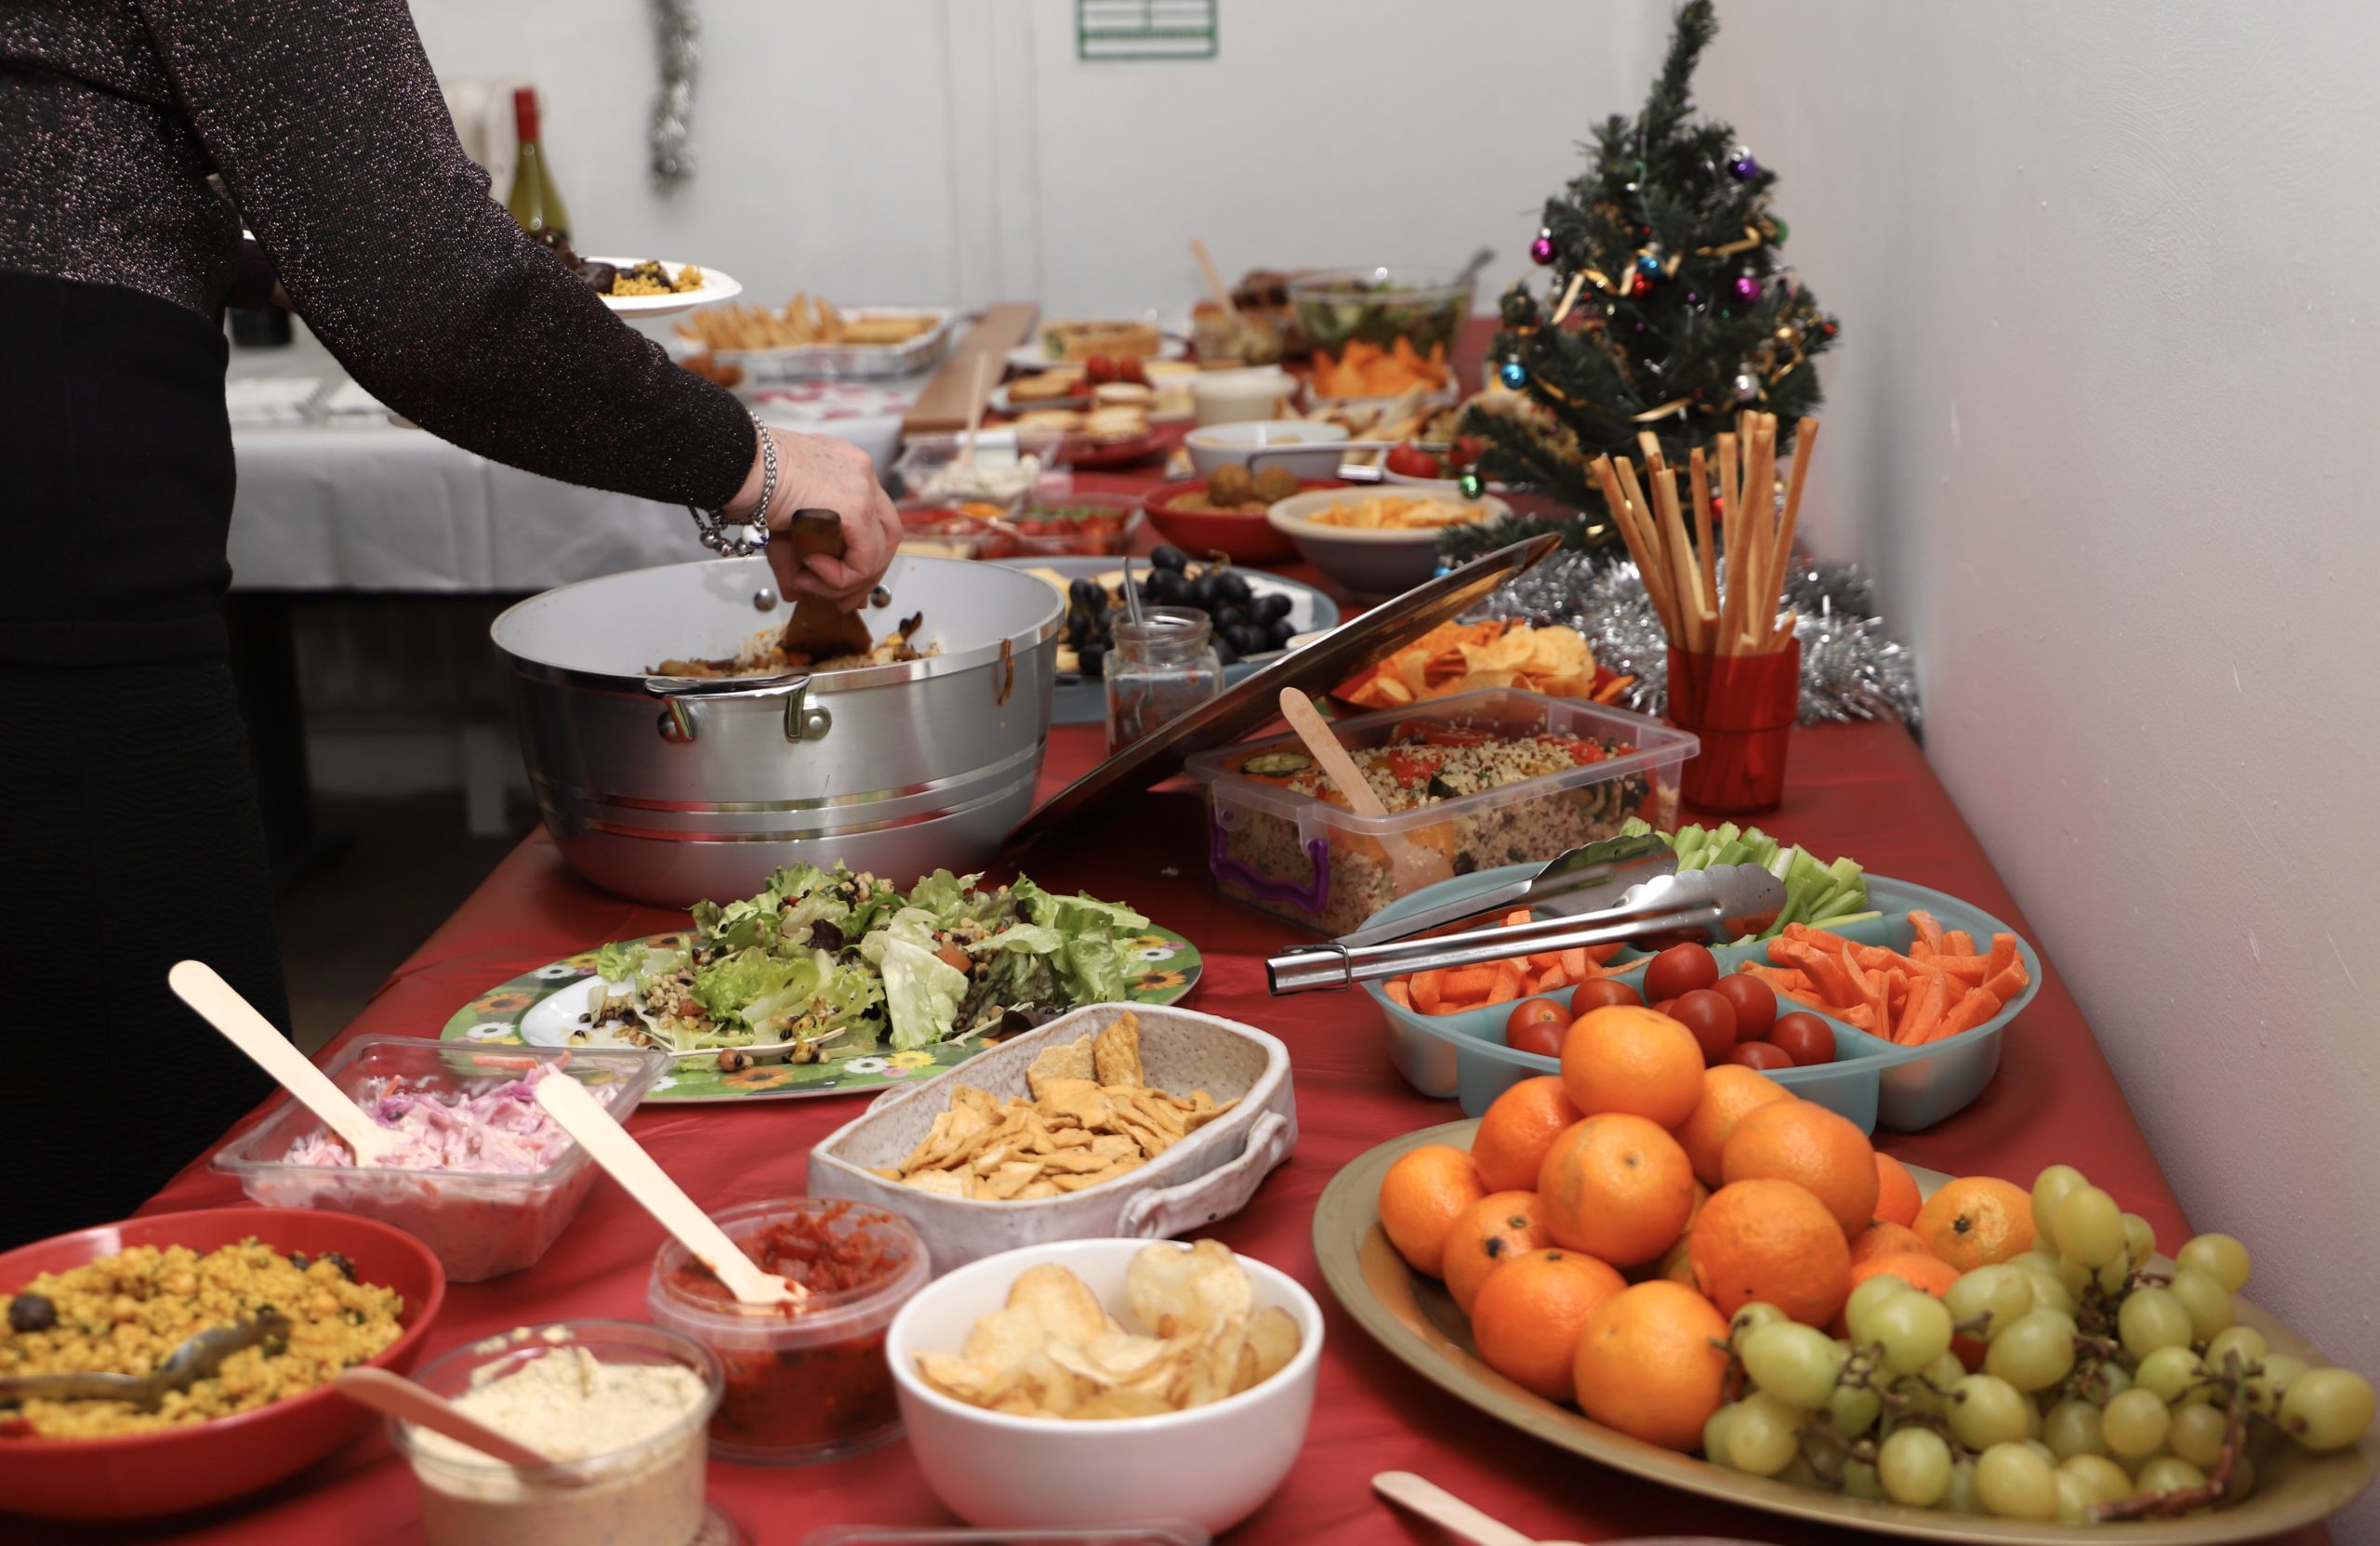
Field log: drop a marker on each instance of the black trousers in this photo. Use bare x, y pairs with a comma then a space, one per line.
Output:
129, 834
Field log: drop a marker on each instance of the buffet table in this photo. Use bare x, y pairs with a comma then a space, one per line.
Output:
1862, 789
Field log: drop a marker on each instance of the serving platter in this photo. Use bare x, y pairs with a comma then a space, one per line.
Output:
1082, 700
1414, 1319
541, 1009
717, 286
1033, 357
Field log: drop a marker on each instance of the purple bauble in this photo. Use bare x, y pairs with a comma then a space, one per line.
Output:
1743, 166
1541, 250
1747, 288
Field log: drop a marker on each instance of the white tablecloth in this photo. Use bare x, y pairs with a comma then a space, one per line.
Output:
353, 502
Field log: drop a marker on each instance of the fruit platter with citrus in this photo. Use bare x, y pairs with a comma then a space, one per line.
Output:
1880, 1000
1703, 1263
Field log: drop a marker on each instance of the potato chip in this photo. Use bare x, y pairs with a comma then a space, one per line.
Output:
1116, 1056
961, 1378
1064, 1303
1162, 1283
1273, 1341
1109, 1405
1007, 1338
1072, 1061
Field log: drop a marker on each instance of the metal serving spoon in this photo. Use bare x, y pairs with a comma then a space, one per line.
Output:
188, 1364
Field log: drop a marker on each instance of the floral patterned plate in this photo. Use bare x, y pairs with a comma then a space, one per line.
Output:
541, 1009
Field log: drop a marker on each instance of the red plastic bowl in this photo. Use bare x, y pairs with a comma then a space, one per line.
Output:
147, 1475
1248, 539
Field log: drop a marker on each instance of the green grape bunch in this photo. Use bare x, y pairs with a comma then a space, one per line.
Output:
2109, 1387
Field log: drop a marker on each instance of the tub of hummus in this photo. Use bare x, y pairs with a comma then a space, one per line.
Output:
622, 1409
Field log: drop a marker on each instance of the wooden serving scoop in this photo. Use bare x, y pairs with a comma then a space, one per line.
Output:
818, 629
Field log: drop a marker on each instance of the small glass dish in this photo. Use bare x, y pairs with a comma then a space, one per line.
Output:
1009, 466
653, 1490
814, 1385
480, 1224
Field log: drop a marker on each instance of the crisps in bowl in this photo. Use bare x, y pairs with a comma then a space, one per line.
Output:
1053, 1351
1468, 657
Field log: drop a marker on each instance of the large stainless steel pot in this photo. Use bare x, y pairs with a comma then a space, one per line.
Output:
669, 790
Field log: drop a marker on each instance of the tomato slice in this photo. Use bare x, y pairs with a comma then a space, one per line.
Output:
1411, 767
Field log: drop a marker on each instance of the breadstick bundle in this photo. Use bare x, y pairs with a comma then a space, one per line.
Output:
1680, 562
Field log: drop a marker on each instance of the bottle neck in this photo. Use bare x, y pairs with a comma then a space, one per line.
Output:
524, 118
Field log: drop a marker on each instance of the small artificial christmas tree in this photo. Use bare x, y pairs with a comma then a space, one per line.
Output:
1667, 309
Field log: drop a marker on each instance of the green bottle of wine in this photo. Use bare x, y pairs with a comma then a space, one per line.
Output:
535, 200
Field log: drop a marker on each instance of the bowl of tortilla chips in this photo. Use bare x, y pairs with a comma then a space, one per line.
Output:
1470, 657
1110, 1121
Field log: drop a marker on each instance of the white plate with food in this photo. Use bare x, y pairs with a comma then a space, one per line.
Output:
811, 337
1076, 340
716, 286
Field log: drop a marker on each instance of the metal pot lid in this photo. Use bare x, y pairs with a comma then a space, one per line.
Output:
1349, 648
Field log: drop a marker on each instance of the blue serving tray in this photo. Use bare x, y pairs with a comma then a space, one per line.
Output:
1872, 1082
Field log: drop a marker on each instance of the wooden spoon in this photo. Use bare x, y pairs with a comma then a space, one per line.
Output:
1214, 277
1440, 1507
566, 1101
401, 1398
818, 629
219, 1003
1419, 866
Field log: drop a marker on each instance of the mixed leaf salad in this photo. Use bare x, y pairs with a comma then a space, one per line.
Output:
827, 964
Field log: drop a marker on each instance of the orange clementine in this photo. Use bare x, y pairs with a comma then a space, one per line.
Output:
1812, 1147
1617, 1188
1652, 1362
1897, 1198
1884, 1239
1519, 1126
1977, 1221
1484, 1236
1419, 1198
1527, 1320
1729, 1091
1913, 1267
1769, 1239
1625, 1058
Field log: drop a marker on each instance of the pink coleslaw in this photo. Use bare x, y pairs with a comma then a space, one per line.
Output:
500, 1131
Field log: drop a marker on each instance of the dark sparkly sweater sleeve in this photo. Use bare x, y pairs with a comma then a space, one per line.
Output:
329, 129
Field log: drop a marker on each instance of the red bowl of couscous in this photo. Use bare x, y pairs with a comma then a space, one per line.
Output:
342, 1306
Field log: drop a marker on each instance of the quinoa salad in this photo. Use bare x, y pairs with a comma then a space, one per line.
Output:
1275, 860
126, 1314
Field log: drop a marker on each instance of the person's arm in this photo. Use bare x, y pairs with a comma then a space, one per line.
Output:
330, 131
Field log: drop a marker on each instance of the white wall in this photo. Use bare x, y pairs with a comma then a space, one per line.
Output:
2104, 419
956, 151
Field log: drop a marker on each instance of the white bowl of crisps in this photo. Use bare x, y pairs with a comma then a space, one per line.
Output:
1077, 1384
1110, 1121
1376, 542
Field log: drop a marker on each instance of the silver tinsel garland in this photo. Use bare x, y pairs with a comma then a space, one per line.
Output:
1851, 668
678, 36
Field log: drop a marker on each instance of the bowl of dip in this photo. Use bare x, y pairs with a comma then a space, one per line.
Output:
804, 1382
620, 1407
1238, 444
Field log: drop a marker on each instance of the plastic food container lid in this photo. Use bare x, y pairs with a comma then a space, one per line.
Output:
824, 1317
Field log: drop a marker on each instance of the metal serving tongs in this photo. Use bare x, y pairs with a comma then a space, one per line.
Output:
195, 1359
1714, 907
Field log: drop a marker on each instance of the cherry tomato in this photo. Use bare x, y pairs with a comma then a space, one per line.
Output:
1099, 370
1464, 451
1756, 1004
1664, 1006
1596, 992
1759, 1054
1411, 461
1711, 1017
1411, 768
1130, 368
1804, 1037
1680, 968
1537, 1026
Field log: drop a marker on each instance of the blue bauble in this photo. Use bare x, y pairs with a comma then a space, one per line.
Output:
1649, 265
1513, 374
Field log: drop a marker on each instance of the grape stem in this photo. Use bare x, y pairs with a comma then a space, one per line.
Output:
2214, 1490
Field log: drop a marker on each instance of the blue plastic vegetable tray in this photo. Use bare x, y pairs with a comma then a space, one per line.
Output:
1871, 1081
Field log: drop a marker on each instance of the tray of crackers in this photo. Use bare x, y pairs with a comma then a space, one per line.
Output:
1111, 1121
810, 338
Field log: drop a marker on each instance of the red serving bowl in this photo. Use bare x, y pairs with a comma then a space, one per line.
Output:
1248, 539
147, 1475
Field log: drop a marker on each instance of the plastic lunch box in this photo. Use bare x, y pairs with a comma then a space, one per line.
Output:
1872, 1082
481, 1225
1323, 866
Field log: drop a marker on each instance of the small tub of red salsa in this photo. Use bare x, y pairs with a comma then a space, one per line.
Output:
805, 1382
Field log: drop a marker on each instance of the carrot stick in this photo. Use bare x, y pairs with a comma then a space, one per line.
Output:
1925, 1009
1506, 986
2003, 950
2011, 982
1929, 933
1429, 989
1576, 966
1979, 1005
1468, 982
1958, 941
1399, 993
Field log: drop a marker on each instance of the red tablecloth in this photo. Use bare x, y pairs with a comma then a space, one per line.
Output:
1864, 790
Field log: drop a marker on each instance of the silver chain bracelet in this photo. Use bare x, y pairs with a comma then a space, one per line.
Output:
741, 539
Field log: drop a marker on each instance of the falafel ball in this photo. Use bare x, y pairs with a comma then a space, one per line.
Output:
1230, 485
1275, 483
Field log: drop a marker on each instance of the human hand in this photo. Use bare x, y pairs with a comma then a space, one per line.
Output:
819, 472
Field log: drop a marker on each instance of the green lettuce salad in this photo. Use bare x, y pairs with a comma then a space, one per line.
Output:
840, 965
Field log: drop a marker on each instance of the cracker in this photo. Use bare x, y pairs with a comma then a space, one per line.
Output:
1072, 1061
1116, 1056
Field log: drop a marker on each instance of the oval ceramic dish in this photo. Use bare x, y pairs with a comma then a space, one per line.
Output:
1413, 1317
1872, 1082
1202, 1177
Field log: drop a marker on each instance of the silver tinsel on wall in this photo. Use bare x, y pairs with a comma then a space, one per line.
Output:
1851, 668
678, 37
